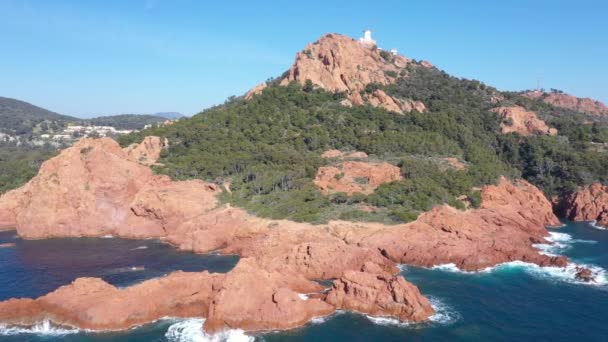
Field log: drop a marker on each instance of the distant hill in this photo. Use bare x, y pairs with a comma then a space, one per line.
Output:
22, 118
170, 115
126, 121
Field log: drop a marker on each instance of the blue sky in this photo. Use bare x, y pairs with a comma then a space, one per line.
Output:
88, 58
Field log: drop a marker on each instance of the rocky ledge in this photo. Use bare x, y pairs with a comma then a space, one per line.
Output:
94, 189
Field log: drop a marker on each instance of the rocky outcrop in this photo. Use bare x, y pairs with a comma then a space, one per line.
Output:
379, 294
559, 99
378, 98
341, 64
589, 203
510, 220
355, 176
95, 188
148, 151
256, 90
252, 298
247, 297
91, 303
517, 119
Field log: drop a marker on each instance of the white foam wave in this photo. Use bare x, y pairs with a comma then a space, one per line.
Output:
319, 320
443, 313
42, 328
107, 237
190, 330
567, 273
451, 267
387, 321
597, 226
140, 247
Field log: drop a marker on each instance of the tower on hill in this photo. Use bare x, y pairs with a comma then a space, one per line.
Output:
367, 38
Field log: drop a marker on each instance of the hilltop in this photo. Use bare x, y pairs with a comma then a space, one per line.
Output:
343, 94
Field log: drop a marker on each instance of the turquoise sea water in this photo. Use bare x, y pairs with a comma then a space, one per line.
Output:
513, 302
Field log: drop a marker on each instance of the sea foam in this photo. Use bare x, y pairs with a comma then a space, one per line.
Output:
557, 243
42, 328
444, 315
190, 330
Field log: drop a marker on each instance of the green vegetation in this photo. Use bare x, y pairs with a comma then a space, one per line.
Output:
269, 148
23, 119
20, 164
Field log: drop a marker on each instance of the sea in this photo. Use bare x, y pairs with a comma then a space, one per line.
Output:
510, 302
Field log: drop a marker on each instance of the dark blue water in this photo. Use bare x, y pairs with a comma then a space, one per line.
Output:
511, 302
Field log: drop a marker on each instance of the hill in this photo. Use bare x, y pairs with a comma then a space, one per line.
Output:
341, 94
21, 118
170, 115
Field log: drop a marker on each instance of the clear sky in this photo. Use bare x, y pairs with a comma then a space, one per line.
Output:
86, 58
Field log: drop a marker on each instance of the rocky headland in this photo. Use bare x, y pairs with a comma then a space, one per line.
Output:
95, 188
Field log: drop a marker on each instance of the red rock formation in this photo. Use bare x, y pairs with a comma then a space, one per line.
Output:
91, 303
94, 188
517, 119
381, 99
148, 151
589, 203
353, 176
252, 298
512, 217
341, 64
379, 294
255, 90
583, 105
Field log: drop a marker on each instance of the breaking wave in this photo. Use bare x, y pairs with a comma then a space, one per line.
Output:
190, 330
444, 315
596, 226
558, 242
42, 328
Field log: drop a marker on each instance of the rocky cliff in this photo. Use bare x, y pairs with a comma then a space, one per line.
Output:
589, 203
94, 188
558, 99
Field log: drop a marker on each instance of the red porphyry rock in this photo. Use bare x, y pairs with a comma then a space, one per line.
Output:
148, 151
355, 176
339, 63
517, 119
558, 99
379, 294
589, 203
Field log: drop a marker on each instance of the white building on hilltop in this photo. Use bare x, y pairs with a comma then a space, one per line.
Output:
367, 38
